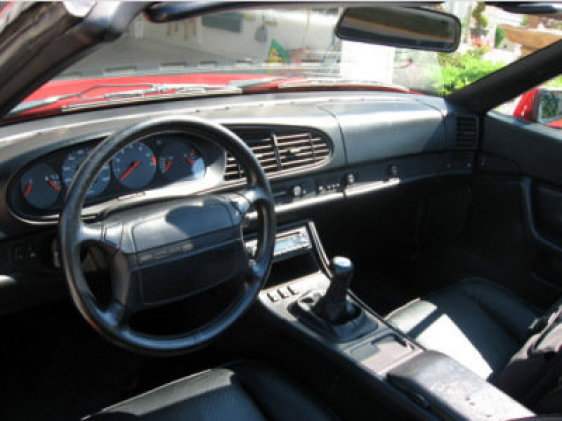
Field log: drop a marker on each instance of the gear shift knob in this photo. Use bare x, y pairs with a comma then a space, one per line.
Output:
333, 306
342, 270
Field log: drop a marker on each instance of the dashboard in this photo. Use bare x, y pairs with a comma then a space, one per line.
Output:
318, 150
315, 149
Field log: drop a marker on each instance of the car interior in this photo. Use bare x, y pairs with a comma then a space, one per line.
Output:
300, 254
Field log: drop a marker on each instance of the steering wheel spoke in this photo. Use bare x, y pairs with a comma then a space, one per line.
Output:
117, 315
100, 233
251, 195
254, 272
90, 233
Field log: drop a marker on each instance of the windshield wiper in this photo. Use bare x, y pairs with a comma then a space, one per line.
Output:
152, 91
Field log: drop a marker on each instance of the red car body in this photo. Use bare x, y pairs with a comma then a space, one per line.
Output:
526, 106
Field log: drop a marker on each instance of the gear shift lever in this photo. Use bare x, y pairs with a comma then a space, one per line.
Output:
330, 313
333, 306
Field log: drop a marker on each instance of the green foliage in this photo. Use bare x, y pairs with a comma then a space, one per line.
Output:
456, 70
525, 21
555, 83
500, 36
478, 15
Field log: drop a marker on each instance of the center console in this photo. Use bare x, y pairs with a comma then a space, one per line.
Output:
318, 303
309, 295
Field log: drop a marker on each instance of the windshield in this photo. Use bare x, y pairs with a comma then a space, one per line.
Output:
278, 48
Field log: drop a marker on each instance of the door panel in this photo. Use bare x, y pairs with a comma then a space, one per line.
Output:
548, 208
533, 149
526, 198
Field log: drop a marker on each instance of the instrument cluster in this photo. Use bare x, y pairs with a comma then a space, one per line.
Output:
154, 162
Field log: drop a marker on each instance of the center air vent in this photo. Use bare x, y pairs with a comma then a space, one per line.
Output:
467, 132
281, 149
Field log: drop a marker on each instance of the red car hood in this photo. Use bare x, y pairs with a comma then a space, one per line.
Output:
99, 87
64, 87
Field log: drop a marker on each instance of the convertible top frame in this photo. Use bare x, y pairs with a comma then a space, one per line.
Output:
510, 81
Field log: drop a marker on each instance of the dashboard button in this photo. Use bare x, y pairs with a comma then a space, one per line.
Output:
145, 257
297, 190
160, 254
273, 296
174, 250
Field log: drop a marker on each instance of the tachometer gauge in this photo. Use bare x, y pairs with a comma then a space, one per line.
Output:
71, 164
181, 161
41, 186
134, 166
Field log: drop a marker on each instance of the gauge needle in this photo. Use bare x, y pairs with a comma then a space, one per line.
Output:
191, 161
129, 170
53, 185
27, 189
168, 165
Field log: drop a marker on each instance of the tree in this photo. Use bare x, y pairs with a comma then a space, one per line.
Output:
500, 36
479, 17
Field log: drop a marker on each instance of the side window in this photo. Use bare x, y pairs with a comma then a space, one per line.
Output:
542, 104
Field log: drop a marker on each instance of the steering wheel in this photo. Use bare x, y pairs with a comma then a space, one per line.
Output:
163, 252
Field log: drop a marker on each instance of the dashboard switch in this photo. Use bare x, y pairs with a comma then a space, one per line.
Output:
283, 293
297, 191
273, 296
349, 179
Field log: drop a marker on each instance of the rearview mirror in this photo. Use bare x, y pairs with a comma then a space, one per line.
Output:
404, 27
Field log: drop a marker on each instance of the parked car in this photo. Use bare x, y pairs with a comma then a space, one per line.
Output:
541, 105
180, 183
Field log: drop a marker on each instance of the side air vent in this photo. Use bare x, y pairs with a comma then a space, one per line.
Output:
281, 149
467, 132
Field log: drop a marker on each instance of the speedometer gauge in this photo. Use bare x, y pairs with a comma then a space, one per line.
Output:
134, 166
41, 186
181, 161
71, 164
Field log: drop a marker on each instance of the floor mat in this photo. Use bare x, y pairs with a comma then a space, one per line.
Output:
57, 367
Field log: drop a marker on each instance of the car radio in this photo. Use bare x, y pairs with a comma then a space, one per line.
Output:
287, 243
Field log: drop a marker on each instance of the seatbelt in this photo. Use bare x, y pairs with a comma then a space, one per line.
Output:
543, 322
534, 372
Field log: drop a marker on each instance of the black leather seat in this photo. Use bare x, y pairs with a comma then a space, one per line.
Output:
240, 391
476, 322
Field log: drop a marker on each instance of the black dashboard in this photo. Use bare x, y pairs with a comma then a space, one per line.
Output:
316, 148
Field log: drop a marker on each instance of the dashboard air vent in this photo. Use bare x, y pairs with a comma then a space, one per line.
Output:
281, 149
467, 132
